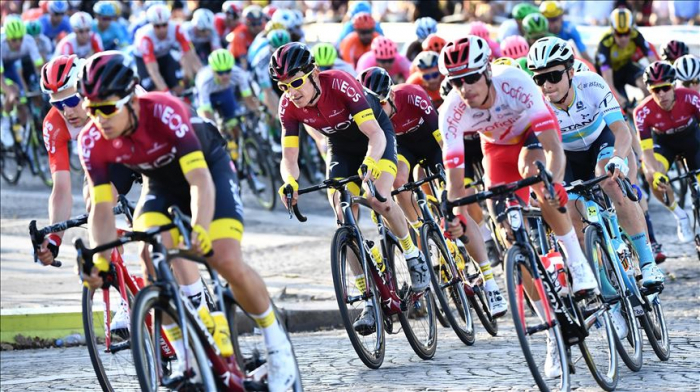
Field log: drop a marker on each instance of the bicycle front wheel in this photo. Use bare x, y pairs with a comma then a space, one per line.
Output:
10, 164
259, 174
654, 324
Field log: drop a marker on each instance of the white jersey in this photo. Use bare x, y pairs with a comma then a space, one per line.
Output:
594, 107
213, 38
69, 45
149, 47
206, 85
27, 48
519, 108
341, 65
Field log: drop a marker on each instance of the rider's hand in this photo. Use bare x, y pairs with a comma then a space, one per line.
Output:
295, 188
561, 197
620, 168
455, 228
660, 181
373, 170
94, 280
48, 251
201, 242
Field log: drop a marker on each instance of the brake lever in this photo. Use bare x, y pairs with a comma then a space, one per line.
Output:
37, 240
547, 180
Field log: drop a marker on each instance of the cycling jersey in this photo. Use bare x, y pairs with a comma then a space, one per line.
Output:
27, 48
52, 31
220, 25
206, 85
69, 45
611, 56
570, 32
341, 65
401, 66
242, 39
189, 29
415, 123
135, 26
43, 43
592, 110
349, 29
416, 78
351, 48
650, 119
114, 37
259, 44
149, 47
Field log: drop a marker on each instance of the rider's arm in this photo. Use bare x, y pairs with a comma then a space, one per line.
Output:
370, 127
623, 139
154, 73
204, 107
650, 165
61, 199
289, 167
145, 46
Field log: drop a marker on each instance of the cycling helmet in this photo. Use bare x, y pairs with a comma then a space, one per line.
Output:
363, 21
105, 8
58, 7
673, 50
479, 29
325, 54
464, 56
687, 68
549, 52
376, 81
105, 74
621, 20
14, 27
520, 11
297, 18
269, 26
253, 12
81, 21
522, 62
433, 43
33, 27
231, 8
269, 10
445, 88
60, 73
361, 6
278, 38
551, 9
158, 14
504, 61
535, 24
284, 17
289, 59
426, 60
580, 66
203, 19
384, 48
425, 26
515, 47
221, 60
659, 72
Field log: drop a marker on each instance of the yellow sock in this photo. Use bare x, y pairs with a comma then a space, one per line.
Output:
360, 283
407, 245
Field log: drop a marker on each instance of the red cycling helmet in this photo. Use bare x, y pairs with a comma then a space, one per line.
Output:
479, 29
464, 56
269, 10
433, 43
659, 72
363, 21
60, 73
384, 48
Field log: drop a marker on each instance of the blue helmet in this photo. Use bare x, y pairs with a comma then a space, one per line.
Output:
105, 8
425, 26
58, 7
361, 6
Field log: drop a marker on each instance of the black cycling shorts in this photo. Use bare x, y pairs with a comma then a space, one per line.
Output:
580, 165
413, 149
472, 156
627, 75
170, 70
685, 143
121, 177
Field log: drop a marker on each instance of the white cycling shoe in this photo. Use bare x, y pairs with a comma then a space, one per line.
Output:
120, 320
552, 365
282, 369
685, 232
583, 277
619, 321
497, 303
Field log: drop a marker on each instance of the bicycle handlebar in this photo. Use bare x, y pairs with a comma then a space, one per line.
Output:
410, 186
585, 186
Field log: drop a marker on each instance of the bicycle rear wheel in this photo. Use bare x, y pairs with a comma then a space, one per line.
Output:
10, 164
654, 324
479, 301
448, 288
261, 178
349, 293
419, 321
528, 325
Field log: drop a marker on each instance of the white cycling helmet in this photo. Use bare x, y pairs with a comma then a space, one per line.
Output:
687, 68
297, 18
284, 17
58, 7
464, 56
426, 60
203, 19
580, 66
549, 52
81, 21
158, 14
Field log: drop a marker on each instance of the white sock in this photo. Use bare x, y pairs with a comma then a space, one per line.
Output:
572, 248
271, 329
678, 212
194, 292
485, 231
489, 282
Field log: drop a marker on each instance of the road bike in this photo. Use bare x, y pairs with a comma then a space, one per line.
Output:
688, 181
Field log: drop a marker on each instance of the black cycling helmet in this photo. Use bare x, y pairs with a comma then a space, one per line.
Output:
376, 81
659, 72
673, 50
289, 59
106, 74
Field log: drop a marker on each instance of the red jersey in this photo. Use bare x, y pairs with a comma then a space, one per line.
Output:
351, 48
414, 111
220, 25
417, 79
649, 118
242, 39
57, 135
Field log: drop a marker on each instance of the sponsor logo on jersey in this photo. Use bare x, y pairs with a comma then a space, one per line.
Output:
345, 87
453, 118
518, 94
173, 120
423, 104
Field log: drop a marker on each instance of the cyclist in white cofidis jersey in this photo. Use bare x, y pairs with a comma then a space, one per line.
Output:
517, 129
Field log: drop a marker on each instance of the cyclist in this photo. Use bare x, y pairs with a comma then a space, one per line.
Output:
514, 26
415, 123
244, 34
275, 39
596, 139
553, 11
156, 66
82, 42
615, 51
43, 43
326, 57
55, 23
191, 169
515, 47
385, 54
580, 66
227, 20
674, 50
424, 27
480, 29
202, 33
428, 75
667, 123
334, 103
688, 71
349, 26
535, 26
112, 32
358, 42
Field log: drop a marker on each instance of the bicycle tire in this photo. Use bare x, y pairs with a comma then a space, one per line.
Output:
420, 307
516, 298
439, 313
74, 158
654, 324
152, 298
41, 159
633, 360
453, 300
479, 302
258, 165
110, 379
11, 168
344, 240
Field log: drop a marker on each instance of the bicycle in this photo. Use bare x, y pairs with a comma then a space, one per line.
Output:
688, 181
529, 281
377, 279
109, 356
210, 371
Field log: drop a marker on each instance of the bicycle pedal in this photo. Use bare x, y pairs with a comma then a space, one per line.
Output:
654, 289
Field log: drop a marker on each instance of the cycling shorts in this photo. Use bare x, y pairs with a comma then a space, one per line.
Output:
224, 102
627, 75
501, 162
203, 49
12, 69
685, 143
121, 177
411, 150
472, 156
157, 197
580, 165
169, 68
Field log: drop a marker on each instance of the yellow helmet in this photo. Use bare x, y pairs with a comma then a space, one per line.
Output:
551, 9
274, 26
621, 20
503, 61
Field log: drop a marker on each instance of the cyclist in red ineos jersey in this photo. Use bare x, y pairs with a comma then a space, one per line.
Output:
184, 162
359, 134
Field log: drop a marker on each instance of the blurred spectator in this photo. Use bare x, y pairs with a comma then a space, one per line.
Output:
429, 9
553, 11
589, 12
683, 12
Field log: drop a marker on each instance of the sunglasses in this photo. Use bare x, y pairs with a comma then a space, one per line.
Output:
105, 18
160, 26
107, 109
623, 34
224, 72
14, 39
466, 79
365, 32
295, 84
70, 102
58, 13
386, 61
691, 83
553, 77
255, 23
664, 88
553, 20
85, 31
431, 76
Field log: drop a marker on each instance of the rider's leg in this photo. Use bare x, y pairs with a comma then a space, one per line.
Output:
405, 199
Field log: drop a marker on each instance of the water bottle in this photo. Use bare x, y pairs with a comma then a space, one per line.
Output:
75, 339
376, 252
554, 265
